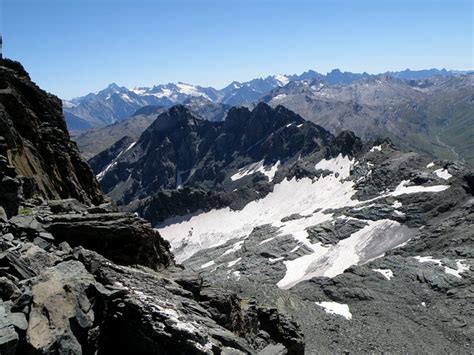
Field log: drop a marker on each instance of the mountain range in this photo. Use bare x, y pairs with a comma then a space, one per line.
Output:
434, 115
116, 103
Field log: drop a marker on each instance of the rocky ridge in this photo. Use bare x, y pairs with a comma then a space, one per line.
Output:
35, 143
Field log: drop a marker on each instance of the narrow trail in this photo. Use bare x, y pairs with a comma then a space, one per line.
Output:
451, 148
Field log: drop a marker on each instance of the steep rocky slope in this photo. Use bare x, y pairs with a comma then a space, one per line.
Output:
94, 141
35, 141
180, 150
78, 278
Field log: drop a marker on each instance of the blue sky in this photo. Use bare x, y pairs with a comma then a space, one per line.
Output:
72, 47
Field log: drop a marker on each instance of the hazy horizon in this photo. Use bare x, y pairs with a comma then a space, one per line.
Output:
76, 47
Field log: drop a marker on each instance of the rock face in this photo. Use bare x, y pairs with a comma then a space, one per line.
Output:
77, 278
240, 156
36, 143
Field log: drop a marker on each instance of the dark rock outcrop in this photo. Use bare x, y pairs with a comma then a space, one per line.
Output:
36, 143
69, 300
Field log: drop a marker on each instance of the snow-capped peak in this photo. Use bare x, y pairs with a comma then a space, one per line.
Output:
282, 79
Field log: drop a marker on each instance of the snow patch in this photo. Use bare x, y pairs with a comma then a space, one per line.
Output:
279, 97
341, 165
402, 188
387, 273
237, 246
253, 168
376, 147
443, 174
430, 165
281, 79
340, 309
460, 267
232, 263
367, 244
208, 264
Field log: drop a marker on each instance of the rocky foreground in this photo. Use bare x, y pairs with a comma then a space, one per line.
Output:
57, 298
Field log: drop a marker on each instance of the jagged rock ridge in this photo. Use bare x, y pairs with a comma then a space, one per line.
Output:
35, 141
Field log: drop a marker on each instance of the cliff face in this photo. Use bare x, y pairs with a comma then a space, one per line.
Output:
36, 142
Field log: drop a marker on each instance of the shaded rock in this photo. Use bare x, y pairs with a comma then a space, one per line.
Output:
121, 237
7, 288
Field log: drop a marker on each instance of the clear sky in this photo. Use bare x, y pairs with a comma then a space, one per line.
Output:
72, 47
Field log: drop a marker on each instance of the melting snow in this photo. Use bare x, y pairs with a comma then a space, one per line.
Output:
376, 147
402, 188
100, 175
397, 204
443, 174
192, 233
250, 169
336, 308
232, 263
341, 165
460, 267
362, 246
274, 260
387, 273
279, 97
208, 264
266, 240
237, 246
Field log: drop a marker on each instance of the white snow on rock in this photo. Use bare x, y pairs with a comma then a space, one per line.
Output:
100, 175
208, 264
279, 97
237, 246
232, 263
402, 188
308, 197
397, 204
460, 267
430, 165
387, 273
376, 147
336, 308
368, 243
282, 79
427, 259
274, 260
191, 90
268, 171
443, 174
341, 165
